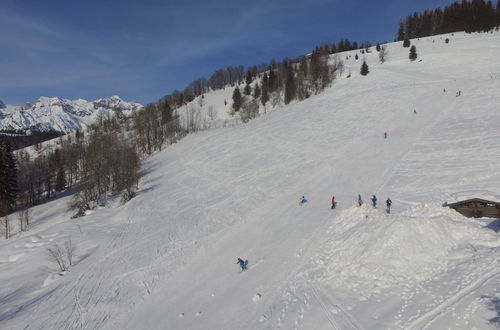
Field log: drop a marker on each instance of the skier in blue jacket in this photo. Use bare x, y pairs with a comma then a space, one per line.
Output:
243, 264
374, 201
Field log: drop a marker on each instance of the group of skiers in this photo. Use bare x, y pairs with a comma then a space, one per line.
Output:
388, 202
244, 263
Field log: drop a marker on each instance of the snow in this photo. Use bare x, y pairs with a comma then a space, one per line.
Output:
167, 259
57, 114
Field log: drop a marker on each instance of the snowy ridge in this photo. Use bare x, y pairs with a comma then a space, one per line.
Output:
167, 259
61, 115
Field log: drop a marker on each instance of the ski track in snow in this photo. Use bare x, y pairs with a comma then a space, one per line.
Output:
428, 318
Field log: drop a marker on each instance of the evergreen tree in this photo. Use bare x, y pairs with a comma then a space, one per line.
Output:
247, 90
249, 79
377, 47
237, 99
290, 88
401, 32
406, 43
8, 179
498, 13
2, 105
272, 82
364, 69
356, 56
413, 53
4, 186
256, 91
264, 96
60, 179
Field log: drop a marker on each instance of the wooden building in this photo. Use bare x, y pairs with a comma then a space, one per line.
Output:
477, 208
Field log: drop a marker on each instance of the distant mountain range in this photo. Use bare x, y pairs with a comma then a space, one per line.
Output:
54, 114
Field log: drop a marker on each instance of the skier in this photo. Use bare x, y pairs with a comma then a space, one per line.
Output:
360, 201
243, 264
334, 204
385, 135
388, 202
414, 111
302, 200
374, 201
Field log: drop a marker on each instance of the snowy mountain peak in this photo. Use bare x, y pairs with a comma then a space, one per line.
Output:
62, 115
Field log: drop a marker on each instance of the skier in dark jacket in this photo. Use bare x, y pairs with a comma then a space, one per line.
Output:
388, 202
374, 201
243, 264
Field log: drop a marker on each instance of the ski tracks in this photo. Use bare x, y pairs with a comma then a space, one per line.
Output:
341, 314
424, 321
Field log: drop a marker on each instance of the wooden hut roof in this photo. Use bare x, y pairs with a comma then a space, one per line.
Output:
467, 201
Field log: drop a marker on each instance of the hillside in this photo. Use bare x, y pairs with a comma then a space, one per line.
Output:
167, 259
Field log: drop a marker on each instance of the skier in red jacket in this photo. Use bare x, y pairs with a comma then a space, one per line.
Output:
334, 204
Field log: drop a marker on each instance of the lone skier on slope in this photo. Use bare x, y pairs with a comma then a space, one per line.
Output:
334, 204
385, 135
374, 201
388, 202
302, 200
243, 264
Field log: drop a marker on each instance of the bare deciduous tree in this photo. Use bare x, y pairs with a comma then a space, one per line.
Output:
382, 53
24, 218
211, 112
275, 98
6, 226
69, 250
249, 110
193, 119
62, 255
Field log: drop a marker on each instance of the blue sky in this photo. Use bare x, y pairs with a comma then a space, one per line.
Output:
143, 50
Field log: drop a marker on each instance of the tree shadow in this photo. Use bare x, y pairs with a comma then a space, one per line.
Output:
494, 305
494, 225
10, 308
148, 189
148, 167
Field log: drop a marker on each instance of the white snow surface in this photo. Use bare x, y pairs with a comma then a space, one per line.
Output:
57, 114
167, 259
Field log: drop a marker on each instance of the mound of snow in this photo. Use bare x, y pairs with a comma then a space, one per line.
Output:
409, 247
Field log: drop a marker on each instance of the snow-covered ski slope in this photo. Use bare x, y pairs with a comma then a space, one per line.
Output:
167, 259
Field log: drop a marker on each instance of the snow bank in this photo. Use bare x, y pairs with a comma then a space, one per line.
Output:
384, 251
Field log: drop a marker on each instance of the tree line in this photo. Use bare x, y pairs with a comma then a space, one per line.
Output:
100, 162
286, 81
237, 75
474, 16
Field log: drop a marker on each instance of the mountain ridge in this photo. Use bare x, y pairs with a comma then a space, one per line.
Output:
62, 115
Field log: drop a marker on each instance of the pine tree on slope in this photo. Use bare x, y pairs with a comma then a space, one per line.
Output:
413, 53
364, 69
237, 99
290, 88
